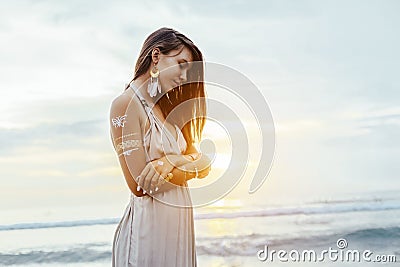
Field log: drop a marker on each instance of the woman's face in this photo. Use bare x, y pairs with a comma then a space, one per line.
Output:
173, 68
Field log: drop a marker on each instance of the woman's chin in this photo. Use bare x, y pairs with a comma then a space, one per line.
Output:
172, 87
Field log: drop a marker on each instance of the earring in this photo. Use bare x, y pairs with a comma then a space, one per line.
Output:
154, 84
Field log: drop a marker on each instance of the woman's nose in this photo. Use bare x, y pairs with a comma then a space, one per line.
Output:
183, 76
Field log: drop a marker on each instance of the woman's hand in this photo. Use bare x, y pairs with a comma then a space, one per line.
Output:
204, 173
152, 176
201, 172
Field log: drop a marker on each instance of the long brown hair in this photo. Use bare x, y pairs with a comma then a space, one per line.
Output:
192, 122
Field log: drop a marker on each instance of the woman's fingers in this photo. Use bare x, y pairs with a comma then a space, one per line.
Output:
160, 180
147, 180
152, 181
204, 172
159, 169
152, 176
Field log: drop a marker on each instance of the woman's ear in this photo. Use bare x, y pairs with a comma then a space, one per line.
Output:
155, 55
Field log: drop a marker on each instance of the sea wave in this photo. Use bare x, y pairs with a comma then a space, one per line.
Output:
230, 245
320, 208
80, 253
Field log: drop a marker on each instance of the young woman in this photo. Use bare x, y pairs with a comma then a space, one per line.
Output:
155, 140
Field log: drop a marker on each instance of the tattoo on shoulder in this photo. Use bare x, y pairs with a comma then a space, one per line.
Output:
119, 121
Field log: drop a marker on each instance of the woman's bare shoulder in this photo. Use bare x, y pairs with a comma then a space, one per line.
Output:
124, 102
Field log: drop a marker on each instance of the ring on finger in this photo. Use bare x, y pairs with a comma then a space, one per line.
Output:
169, 177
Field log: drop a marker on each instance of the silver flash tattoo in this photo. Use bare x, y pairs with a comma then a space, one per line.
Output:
128, 144
128, 152
119, 121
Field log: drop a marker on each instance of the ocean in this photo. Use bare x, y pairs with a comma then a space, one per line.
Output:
227, 235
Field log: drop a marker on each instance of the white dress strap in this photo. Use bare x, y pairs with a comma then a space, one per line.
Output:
154, 119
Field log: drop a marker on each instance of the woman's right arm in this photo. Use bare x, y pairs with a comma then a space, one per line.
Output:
126, 134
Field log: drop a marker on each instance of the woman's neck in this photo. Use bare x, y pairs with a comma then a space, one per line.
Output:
141, 84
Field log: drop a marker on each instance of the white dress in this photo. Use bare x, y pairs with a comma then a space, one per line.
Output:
152, 233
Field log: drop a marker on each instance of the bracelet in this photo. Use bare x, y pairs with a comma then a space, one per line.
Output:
190, 155
184, 171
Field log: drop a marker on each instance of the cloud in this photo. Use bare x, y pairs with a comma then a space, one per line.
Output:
328, 70
372, 128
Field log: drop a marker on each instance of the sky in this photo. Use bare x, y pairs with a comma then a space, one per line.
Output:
328, 70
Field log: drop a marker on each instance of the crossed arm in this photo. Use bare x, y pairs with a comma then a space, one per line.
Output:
126, 133
183, 168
